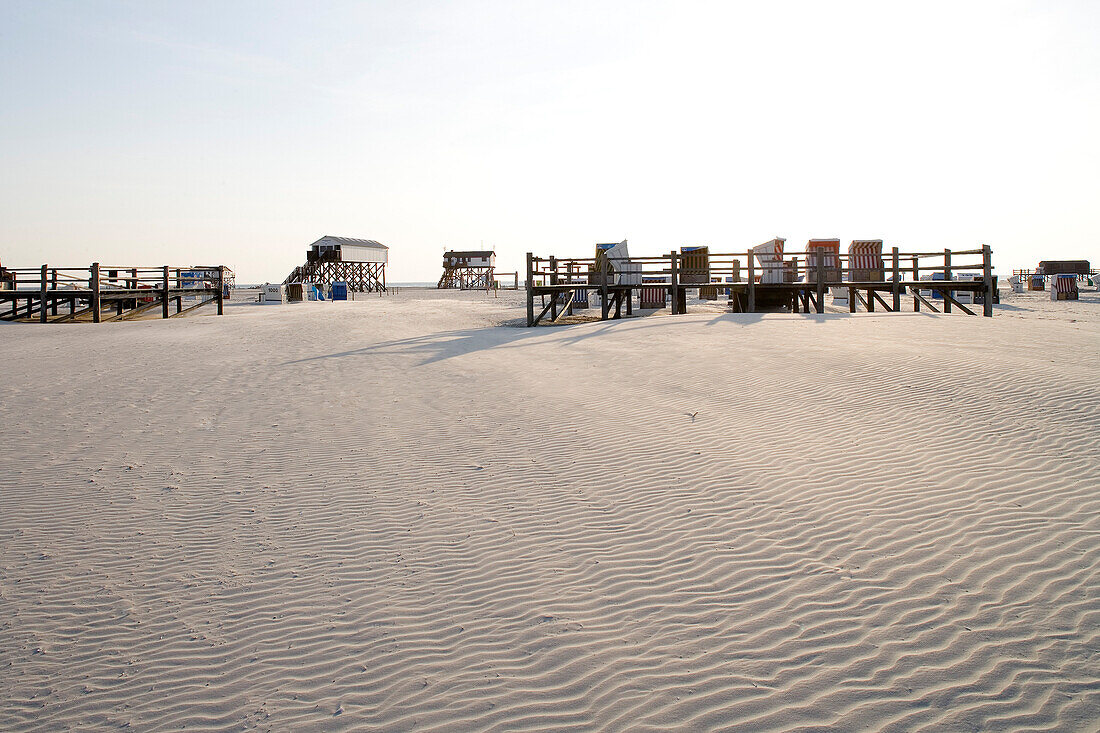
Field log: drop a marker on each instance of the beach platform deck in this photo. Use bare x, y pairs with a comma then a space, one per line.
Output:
99, 294
751, 288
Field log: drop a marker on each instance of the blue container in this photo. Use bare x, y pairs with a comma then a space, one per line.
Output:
339, 291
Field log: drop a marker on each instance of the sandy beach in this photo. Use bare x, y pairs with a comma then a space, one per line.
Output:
405, 513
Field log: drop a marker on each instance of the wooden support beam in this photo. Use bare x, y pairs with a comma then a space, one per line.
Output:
949, 299
916, 294
897, 281
95, 292
164, 295
946, 276
987, 279
820, 281
918, 297
530, 293
876, 296
565, 309
752, 284
673, 288
42, 294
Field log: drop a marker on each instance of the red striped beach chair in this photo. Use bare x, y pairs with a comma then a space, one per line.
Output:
1064, 287
650, 296
865, 261
828, 252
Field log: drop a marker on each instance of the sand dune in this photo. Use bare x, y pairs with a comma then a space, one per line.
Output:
395, 514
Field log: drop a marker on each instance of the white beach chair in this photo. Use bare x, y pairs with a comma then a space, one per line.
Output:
770, 256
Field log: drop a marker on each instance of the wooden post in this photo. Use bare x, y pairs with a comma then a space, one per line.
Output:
95, 292
987, 277
897, 281
752, 284
221, 289
820, 281
673, 282
947, 277
530, 292
916, 293
605, 272
554, 294
164, 295
42, 294
851, 300
53, 286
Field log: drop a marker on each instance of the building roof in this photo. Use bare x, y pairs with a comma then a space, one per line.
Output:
329, 239
470, 253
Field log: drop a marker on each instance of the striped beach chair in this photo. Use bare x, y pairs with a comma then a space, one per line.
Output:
1064, 287
651, 296
865, 261
1036, 282
770, 256
828, 252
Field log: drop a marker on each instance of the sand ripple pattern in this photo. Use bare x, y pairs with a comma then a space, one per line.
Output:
384, 518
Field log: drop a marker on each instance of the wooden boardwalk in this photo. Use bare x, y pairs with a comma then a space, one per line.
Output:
794, 284
97, 294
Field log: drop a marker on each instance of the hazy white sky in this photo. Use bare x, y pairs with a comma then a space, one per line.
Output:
239, 132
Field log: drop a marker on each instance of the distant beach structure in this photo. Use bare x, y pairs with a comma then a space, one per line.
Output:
468, 270
361, 263
1065, 276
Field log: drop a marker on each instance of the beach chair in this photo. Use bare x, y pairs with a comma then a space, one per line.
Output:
865, 261
652, 296
1036, 282
1017, 283
1064, 287
770, 256
827, 251
694, 265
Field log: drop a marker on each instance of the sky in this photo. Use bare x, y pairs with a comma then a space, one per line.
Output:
237, 133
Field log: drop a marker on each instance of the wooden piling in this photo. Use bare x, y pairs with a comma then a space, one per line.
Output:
987, 277
221, 289
673, 283
554, 281
946, 276
752, 284
42, 294
916, 292
820, 282
897, 280
164, 294
53, 286
530, 293
95, 292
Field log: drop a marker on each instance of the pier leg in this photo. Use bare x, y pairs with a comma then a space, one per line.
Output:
947, 277
897, 282
530, 293
42, 295
916, 278
987, 277
820, 282
752, 285
95, 293
164, 295
221, 289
